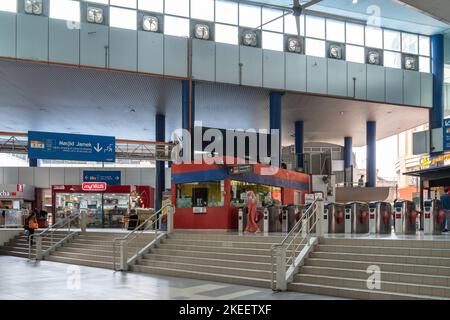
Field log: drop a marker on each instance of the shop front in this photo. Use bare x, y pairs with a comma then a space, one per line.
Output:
16, 200
106, 205
208, 196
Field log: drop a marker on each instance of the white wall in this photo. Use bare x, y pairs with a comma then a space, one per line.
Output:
46, 177
7, 234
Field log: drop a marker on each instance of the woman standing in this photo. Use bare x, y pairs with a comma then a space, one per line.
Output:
251, 216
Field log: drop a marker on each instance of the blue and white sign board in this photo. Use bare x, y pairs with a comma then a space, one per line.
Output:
109, 177
77, 147
446, 131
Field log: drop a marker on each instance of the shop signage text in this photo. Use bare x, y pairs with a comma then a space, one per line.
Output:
428, 161
110, 177
446, 131
245, 168
63, 146
93, 186
5, 193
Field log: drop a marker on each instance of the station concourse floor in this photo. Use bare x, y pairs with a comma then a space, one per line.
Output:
21, 279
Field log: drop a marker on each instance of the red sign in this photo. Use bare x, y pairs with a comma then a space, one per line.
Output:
427, 216
93, 186
398, 216
372, 216
20, 188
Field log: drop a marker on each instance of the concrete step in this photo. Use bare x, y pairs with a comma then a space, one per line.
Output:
80, 262
82, 256
220, 243
338, 291
432, 244
361, 284
93, 251
399, 251
15, 253
213, 255
412, 278
207, 248
206, 261
385, 267
432, 261
244, 281
214, 269
225, 237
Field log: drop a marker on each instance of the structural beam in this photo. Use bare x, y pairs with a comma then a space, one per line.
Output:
160, 183
299, 143
371, 154
275, 123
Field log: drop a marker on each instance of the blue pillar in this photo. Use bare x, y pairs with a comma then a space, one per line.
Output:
188, 109
33, 163
348, 152
275, 120
371, 132
437, 66
160, 184
299, 141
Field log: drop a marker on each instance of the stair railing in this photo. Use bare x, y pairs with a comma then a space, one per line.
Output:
151, 226
287, 256
65, 225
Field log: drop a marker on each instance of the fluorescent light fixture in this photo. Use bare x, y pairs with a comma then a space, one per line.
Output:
33, 7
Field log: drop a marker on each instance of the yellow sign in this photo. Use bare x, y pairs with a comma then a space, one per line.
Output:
427, 161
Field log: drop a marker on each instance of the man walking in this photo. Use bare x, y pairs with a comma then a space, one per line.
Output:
445, 204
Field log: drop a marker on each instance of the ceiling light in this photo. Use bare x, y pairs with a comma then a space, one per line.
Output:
373, 58
33, 7
249, 38
150, 23
354, 1
95, 15
294, 45
202, 31
335, 52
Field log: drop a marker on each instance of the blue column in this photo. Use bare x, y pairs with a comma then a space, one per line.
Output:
160, 183
275, 119
299, 141
371, 169
33, 163
188, 108
348, 152
437, 66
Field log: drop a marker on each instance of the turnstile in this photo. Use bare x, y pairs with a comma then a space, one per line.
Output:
242, 219
334, 218
308, 217
274, 218
356, 217
434, 217
405, 217
289, 217
380, 217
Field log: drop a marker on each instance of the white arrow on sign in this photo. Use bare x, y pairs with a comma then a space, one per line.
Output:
98, 148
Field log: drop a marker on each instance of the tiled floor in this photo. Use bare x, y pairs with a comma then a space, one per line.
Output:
21, 279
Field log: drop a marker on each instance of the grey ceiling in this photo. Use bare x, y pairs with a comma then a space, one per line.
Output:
60, 99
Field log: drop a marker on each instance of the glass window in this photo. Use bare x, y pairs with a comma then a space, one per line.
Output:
8, 5
175, 26
227, 12
202, 9
354, 33
392, 40
410, 43
374, 37
123, 18
270, 14
335, 30
177, 7
355, 53
151, 5
249, 16
65, 10
392, 59
315, 27
290, 26
272, 41
226, 34
424, 46
124, 3
201, 194
314, 47
424, 64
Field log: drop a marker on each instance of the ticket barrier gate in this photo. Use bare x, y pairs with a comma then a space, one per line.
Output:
274, 221
434, 217
334, 214
356, 217
380, 217
262, 219
290, 217
405, 217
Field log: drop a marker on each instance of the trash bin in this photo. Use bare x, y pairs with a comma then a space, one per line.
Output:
356, 217
335, 217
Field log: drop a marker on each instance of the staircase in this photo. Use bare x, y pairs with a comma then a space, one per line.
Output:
410, 269
241, 260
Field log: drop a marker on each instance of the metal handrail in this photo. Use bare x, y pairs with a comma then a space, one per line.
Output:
308, 214
49, 231
144, 226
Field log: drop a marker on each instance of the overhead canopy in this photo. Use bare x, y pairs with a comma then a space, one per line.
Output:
436, 177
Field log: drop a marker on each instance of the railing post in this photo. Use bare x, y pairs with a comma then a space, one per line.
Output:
123, 256
319, 218
280, 260
170, 214
83, 221
38, 247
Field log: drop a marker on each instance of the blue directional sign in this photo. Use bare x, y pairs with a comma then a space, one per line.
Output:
109, 177
446, 131
77, 147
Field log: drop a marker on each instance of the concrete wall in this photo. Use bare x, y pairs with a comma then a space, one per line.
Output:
344, 194
8, 234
